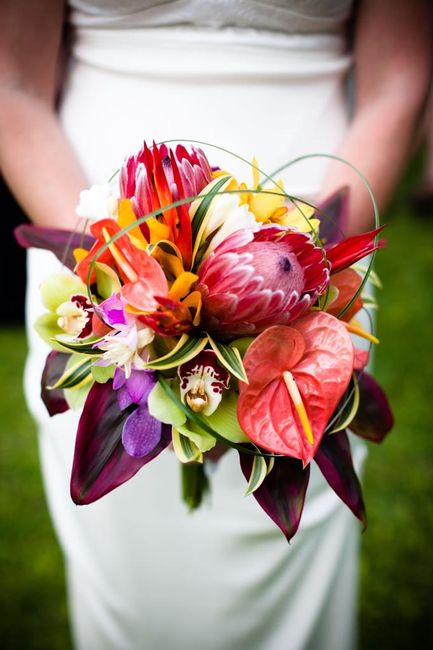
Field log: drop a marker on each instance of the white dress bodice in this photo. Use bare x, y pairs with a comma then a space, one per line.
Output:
288, 16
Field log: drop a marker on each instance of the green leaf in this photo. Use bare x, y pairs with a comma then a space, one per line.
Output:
107, 281
203, 440
102, 374
47, 328
59, 287
185, 449
258, 474
271, 463
329, 296
195, 484
163, 408
225, 420
86, 347
201, 213
77, 373
187, 348
242, 344
230, 358
373, 276
76, 397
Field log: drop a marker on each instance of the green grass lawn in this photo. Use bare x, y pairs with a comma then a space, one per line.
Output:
397, 553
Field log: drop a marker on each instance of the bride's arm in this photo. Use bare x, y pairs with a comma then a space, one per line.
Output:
393, 54
35, 157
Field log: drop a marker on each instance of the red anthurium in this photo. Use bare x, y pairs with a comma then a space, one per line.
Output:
352, 249
347, 283
297, 376
122, 254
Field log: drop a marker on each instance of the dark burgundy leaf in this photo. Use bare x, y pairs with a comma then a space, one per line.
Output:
54, 368
100, 462
334, 459
333, 214
282, 493
59, 242
374, 418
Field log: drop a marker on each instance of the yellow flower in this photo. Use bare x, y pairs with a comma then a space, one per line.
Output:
270, 205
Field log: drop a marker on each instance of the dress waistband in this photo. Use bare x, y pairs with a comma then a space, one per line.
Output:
230, 52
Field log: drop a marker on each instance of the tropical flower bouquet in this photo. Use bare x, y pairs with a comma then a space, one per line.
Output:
203, 314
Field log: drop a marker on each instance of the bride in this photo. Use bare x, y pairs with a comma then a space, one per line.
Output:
264, 78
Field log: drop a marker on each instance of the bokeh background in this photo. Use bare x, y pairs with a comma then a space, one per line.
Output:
396, 596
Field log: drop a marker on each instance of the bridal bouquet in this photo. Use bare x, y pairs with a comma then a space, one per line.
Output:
204, 314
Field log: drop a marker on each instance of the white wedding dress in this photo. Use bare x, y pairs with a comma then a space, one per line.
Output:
257, 78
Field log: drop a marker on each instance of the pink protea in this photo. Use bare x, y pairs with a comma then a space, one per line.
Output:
257, 279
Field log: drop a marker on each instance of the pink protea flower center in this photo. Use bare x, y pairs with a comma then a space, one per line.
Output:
255, 280
278, 264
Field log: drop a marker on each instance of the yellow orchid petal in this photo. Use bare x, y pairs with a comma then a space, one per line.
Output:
244, 197
127, 217
133, 310
300, 217
79, 254
182, 285
219, 172
194, 301
169, 258
256, 173
157, 230
296, 397
138, 243
264, 204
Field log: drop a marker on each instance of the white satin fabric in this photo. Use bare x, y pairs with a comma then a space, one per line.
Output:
142, 572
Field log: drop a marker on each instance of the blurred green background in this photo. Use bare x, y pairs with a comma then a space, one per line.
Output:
396, 600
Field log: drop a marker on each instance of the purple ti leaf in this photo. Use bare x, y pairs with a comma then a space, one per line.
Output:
100, 461
334, 459
59, 242
333, 214
54, 368
282, 493
374, 418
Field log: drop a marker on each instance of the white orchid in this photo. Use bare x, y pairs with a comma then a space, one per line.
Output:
97, 202
202, 381
125, 348
226, 216
73, 318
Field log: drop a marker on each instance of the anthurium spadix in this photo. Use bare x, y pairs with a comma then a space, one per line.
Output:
297, 375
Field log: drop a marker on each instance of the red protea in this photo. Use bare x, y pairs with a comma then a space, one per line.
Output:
255, 280
156, 177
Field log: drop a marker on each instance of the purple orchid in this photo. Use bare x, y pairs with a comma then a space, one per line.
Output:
113, 313
141, 432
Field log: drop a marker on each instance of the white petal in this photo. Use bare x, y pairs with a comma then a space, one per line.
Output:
97, 203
